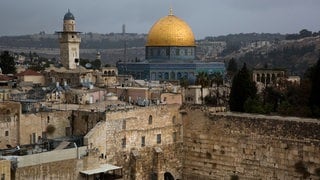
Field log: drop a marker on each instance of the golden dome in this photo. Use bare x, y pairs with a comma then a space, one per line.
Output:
170, 31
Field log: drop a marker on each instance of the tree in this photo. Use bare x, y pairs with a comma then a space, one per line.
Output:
96, 64
305, 33
242, 88
272, 96
83, 62
204, 81
232, 68
7, 63
184, 82
254, 106
216, 78
315, 89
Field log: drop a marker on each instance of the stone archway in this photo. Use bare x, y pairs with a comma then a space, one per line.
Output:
168, 176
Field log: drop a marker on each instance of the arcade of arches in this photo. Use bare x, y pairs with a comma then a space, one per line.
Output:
267, 76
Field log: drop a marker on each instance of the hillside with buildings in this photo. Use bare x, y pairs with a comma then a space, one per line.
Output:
257, 50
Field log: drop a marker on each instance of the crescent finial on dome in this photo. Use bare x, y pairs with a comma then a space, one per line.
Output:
170, 11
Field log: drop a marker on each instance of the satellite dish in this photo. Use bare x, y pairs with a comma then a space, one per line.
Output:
88, 66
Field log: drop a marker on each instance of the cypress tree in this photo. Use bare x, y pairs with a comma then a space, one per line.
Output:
315, 90
7, 63
242, 88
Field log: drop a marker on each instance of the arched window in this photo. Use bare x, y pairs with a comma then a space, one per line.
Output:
179, 76
150, 120
166, 75
177, 52
172, 75
173, 119
258, 78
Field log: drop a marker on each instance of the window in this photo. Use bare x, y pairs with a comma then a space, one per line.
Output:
178, 52
48, 119
124, 124
174, 136
173, 119
44, 134
123, 142
158, 138
168, 51
6, 133
150, 119
32, 138
3, 176
143, 141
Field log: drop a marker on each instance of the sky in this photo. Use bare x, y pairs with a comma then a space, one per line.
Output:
205, 17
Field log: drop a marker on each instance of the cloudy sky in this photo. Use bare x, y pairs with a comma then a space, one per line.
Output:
206, 17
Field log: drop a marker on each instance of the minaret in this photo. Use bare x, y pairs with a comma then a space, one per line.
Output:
69, 42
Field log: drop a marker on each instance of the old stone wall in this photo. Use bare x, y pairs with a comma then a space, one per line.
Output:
141, 140
33, 126
221, 146
5, 171
9, 123
67, 169
84, 121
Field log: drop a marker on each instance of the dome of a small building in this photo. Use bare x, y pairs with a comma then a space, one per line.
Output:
68, 16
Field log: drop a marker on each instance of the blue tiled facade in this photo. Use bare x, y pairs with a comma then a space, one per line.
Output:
169, 70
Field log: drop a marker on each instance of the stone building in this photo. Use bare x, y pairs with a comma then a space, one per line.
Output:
73, 78
85, 95
30, 77
33, 127
268, 77
19, 128
146, 142
106, 77
9, 124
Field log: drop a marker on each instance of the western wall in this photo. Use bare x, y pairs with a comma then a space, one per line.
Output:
248, 146
198, 145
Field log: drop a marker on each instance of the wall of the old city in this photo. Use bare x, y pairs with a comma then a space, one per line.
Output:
220, 146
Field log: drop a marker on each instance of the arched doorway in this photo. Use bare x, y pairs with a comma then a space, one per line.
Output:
168, 176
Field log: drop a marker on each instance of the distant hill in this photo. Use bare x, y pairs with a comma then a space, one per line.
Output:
294, 52
236, 41
88, 41
296, 56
